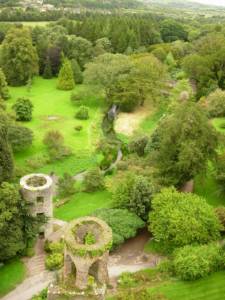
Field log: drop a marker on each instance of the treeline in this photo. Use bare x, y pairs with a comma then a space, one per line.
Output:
97, 4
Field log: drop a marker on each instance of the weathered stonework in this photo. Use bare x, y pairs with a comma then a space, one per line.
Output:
87, 258
37, 190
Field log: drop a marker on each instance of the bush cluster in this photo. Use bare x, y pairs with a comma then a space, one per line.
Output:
23, 109
194, 262
55, 258
82, 113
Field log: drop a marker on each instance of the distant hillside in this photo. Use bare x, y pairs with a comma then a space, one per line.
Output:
100, 4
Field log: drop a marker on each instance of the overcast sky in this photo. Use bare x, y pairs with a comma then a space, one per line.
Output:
214, 2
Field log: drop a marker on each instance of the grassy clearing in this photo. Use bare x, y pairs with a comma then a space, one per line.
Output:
49, 102
11, 275
32, 24
210, 288
149, 124
83, 204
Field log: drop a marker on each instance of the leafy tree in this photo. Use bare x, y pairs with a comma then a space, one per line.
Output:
77, 74
102, 46
134, 193
94, 180
66, 185
220, 173
144, 81
65, 79
4, 91
194, 262
214, 104
171, 30
11, 224
23, 109
20, 137
184, 141
54, 141
124, 224
6, 157
220, 212
179, 219
106, 69
81, 50
47, 74
18, 56
17, 226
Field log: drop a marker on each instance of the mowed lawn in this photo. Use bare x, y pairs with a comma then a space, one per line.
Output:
53, 110
11, 274
210, 288
83, 204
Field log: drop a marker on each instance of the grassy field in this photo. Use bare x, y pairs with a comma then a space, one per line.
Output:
11, 274
210, 288
31, 24
52, 103
83, 204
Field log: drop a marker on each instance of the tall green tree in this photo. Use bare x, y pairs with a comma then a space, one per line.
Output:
65, 79
179, 219
183, 143
19, 58
47, 74
4, 91
77, 73
6, 157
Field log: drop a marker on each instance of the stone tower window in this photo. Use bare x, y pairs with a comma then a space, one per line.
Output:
40, 199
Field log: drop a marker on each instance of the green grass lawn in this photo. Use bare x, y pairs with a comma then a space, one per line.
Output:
11, 275
49, 101
210, 288
150, 123
83, 204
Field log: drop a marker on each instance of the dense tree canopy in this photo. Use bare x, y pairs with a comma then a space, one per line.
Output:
183, 142
19, 58
179, 219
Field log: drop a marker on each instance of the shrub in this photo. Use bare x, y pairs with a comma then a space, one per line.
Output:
138, 145
134, 193
66, 185
94, 180
194, 262
109, 150
20, 137
215, 104
178, 219
89, 239
124, 224
77, 73
23, 109
220, 173
82, 113
220, 212
54, 261
78, 128
55, 143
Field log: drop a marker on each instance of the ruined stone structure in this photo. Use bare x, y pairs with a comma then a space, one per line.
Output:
37, 190
87, 244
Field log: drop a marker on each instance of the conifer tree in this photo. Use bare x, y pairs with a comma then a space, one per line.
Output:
47, 74
4, 91
65, 79
77, 73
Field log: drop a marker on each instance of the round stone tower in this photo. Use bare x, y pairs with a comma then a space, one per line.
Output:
37, 190
87, 244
